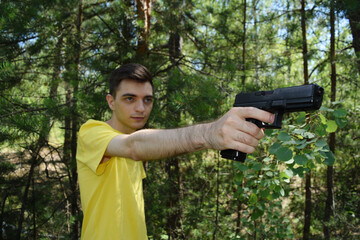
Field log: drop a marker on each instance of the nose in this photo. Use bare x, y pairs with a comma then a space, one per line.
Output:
140, 106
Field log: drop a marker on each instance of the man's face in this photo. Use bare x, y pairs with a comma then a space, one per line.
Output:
132, 105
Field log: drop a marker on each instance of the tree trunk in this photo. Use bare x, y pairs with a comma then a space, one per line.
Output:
354, 20
3, 202
173, 223
304, 42
307, 211
217, 199
72, 80
143, 9
238, 218
25, 197
243, 81
35, 151
329, 176
256, 41
34, 209
75, 231
287, 40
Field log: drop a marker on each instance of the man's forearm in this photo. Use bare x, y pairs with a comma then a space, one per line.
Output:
151, 144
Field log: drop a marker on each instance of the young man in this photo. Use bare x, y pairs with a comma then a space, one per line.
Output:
110, 153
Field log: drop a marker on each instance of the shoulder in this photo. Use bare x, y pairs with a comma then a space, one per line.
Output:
95, 124
96, 135
95, 128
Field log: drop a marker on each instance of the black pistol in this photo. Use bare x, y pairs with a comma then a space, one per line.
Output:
279, 101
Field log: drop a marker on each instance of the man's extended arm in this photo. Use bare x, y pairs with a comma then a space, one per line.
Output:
231, 131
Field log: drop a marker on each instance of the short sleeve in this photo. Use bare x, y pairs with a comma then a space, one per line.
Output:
94, 137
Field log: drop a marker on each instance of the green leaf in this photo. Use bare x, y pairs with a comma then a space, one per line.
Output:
301, 159
299, 131
289, 173
238, 178
284, 154
341, 122
256, 166
337, 102
326, 109
253, 199
276, 182
287, 180
268, 132
323, 119
321, 130
289, 162
331, 126
340, 113
283, 175
330, 158
309, 135
320, 143
323, 153
277, 188
163, 237
282, 192
284, 137
256, 214
242, 167
298, 142
302, 146
301, 118
299, 171
265, 193
274, 148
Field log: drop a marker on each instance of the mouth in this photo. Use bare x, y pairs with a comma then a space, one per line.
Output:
138, 118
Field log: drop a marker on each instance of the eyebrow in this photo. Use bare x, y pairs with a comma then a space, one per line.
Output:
128, 95
133, 95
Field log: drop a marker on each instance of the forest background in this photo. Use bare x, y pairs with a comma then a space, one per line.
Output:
302, 182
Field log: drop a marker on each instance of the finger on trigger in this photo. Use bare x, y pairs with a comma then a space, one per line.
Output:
256, 113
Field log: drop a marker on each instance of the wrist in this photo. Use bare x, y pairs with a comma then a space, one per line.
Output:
205, 135
195, 137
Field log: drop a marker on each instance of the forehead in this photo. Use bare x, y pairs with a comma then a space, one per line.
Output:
134, 87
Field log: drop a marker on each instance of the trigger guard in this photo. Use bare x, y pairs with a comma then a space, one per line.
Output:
275, 125
258, 123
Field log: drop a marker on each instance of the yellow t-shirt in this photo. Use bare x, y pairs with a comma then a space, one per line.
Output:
111, 192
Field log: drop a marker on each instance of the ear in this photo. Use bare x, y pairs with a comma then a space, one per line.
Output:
110, 99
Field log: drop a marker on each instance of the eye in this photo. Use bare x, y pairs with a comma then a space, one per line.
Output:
129, 99
148, 100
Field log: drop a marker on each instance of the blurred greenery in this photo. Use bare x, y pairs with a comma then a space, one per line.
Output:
55, 59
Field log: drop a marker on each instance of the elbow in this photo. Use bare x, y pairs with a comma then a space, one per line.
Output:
125, 146
133, 152
135, 157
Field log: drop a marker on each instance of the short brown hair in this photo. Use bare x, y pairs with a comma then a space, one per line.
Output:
132, 71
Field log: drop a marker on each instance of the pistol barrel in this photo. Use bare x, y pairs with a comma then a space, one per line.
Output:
290, 99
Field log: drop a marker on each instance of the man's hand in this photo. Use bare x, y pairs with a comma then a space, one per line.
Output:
232, 131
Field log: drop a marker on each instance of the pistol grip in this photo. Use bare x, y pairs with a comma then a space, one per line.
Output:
233, 155
237, 155
240, 156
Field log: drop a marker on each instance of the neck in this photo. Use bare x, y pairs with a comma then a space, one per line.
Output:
119, 127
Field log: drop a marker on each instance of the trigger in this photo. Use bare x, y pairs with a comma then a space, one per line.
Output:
258, 123
275, 125
277, 121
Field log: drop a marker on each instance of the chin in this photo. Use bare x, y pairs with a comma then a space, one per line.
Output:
139, 127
